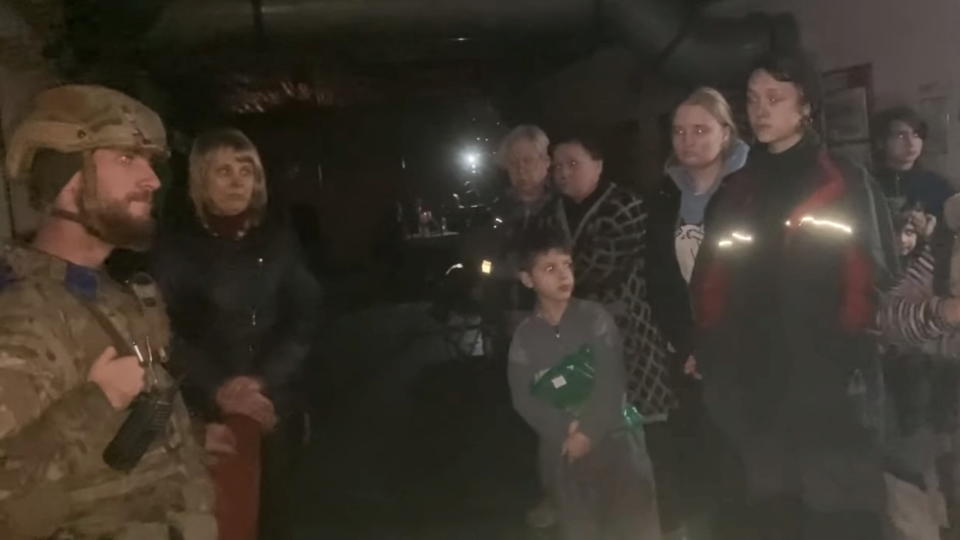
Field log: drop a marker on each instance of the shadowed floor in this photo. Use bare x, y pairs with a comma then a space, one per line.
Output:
408, 444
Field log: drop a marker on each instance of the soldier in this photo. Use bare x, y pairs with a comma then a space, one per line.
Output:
76, 348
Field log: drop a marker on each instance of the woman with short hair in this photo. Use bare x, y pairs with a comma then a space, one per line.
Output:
607, 225
243, 306
784, 300
915, 193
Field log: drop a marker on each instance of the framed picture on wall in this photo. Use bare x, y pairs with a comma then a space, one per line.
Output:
848, 105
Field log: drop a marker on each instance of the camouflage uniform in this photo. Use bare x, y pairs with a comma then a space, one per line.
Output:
54, 423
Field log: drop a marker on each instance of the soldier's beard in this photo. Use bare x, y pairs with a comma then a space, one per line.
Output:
112, 222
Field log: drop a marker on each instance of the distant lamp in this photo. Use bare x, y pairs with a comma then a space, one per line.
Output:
472, 160
486, 267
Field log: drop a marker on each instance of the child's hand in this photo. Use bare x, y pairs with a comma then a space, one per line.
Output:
690, 368
576, 446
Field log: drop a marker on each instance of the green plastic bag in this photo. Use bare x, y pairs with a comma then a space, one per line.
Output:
568, 386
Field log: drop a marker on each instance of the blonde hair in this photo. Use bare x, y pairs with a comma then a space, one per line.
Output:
712, 101
527, 132
204, 146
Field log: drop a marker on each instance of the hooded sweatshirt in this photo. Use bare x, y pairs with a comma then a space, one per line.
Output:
676, 230
689, 225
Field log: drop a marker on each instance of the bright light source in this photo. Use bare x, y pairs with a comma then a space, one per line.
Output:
486, 267
471, 160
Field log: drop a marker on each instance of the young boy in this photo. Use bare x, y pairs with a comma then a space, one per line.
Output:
602, 479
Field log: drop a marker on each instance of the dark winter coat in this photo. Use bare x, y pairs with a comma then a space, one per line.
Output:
608, 231
669, 295
916, 186
237, 307
784, 295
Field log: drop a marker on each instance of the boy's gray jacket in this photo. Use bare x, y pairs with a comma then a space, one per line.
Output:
537, 346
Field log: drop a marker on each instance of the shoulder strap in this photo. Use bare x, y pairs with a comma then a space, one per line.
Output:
123, 345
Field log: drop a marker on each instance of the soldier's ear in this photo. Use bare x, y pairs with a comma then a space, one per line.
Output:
69, 197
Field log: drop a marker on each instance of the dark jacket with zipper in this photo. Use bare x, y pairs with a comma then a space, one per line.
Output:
784, 300
245, 306
669, 297
915, 187
669, 294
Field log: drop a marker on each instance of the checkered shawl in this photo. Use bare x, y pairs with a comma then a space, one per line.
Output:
609, 251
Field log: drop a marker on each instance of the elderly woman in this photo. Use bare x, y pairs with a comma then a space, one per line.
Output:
524, 155
242, 305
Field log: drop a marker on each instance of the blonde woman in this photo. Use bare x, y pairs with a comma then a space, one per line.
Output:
242, 304
706, 150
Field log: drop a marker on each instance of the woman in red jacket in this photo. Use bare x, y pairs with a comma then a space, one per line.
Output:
783, 296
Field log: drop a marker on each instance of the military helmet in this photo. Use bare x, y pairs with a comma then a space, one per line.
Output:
77, 118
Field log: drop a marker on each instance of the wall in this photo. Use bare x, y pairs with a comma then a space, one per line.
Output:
17, 88
912, 45
23, 72
609, 91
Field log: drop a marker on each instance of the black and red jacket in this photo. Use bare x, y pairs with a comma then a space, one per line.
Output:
784, 297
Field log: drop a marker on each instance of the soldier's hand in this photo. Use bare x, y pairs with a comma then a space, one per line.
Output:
120, 378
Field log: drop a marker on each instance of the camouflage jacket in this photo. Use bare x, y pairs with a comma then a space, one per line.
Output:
54, 424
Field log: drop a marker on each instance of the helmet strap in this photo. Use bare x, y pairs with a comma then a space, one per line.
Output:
67, 215
89, 202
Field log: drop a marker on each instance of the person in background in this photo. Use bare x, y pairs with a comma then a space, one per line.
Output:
527, 202
524, 154
706, 149
916, 194
243, 306
920, 317
921, 388
602, 477
607, 226
784, 295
